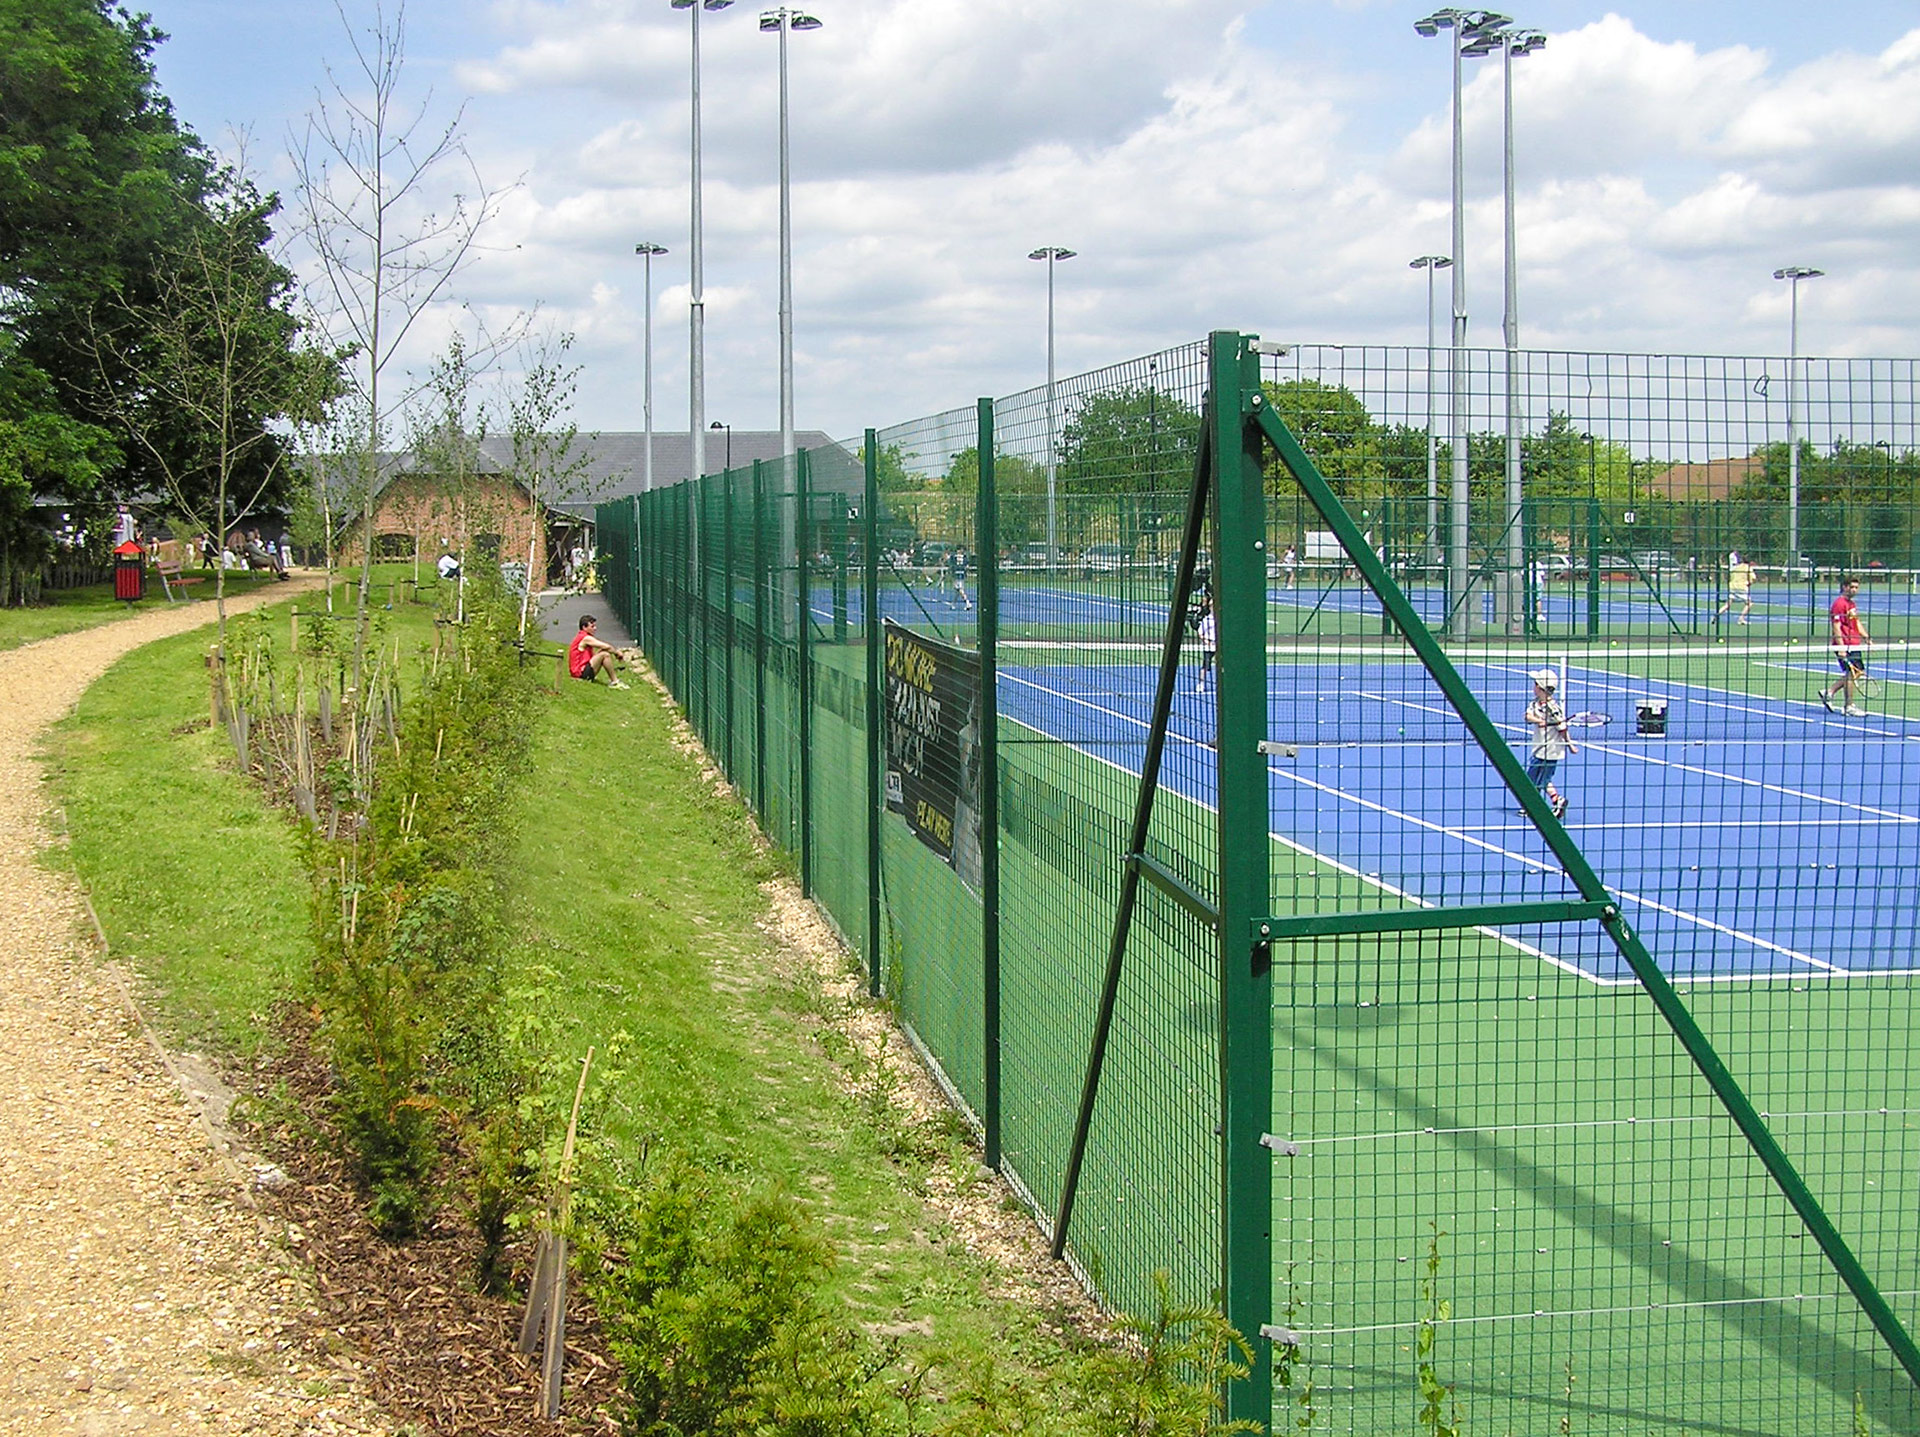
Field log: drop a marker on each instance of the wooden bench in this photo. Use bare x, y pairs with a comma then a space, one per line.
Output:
171, 575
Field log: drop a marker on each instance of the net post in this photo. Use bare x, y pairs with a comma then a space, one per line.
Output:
986, 548
1245, 972
870, 619
1593, 568
802, 533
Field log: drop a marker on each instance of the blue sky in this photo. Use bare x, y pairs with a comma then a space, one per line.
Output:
1268, 166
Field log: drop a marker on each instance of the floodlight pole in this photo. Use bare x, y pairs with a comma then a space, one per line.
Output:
1430, 263
1051, 253
696, 299
646, 249
1461, 24
1793, 274
782, 20
1511, 43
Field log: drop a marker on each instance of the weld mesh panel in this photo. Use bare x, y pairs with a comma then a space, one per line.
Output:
932, 908
1610, 1251
1513, 1087
838, 690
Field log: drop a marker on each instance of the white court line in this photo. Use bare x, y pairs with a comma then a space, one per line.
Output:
1462, 836
1412, 898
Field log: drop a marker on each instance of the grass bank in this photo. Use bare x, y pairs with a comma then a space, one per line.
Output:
640, 910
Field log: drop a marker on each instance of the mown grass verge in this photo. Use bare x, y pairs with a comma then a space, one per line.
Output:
66, 611
727, 1145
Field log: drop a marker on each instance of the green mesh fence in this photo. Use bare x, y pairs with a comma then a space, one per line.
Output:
1601, 1123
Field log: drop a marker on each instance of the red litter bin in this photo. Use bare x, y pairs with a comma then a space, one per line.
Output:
130, 572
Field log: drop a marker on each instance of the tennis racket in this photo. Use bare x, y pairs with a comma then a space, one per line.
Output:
1589, 719
1864, 684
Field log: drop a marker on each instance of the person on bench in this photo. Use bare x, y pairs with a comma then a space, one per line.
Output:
588, 656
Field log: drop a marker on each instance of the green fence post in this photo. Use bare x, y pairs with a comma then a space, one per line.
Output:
802, 551
876, 791
1246, 997
986, 547
760, 638
726, 596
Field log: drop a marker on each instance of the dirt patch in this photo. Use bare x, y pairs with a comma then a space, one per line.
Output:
435, 1350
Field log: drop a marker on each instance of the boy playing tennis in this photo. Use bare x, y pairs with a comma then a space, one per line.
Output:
1551, 739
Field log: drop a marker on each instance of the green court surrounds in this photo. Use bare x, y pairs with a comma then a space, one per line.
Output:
1597, 1215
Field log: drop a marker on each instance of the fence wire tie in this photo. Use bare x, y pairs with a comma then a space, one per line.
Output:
1286, 1147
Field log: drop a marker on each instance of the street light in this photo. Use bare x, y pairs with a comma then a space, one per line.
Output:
1510, 43
717, 424
647, 249
781, 21
696, 300
1430, 263
1463, 25
1793, 274
1051, 253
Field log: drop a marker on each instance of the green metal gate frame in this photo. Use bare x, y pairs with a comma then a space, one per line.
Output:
1229, 491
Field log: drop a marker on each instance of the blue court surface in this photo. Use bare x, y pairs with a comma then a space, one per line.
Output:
1758, 838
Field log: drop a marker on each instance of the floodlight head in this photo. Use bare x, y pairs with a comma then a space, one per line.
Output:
1052, 251
1439, 20
804, 22
1430, 261
773, 20
1527, 41
717, 4
649, 248
1798, 271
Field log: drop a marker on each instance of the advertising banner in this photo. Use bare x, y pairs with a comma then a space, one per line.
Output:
933, 745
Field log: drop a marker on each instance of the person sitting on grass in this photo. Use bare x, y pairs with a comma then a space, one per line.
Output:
588, 656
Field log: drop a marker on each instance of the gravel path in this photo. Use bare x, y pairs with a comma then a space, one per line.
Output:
139, 1290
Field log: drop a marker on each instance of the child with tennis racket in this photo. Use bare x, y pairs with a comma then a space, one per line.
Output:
1551, 739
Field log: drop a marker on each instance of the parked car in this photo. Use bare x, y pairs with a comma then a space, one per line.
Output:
1029, 556
1103, 559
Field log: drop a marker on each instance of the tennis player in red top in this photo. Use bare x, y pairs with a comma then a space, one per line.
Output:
1850, 644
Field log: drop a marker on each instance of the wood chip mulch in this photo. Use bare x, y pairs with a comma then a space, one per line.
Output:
436, 1351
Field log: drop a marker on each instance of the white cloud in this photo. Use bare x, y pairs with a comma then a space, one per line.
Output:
1206, 182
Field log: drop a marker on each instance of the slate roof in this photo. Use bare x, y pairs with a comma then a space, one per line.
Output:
613, 465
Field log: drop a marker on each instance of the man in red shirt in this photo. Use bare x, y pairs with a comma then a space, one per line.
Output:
588, 657
1850, 643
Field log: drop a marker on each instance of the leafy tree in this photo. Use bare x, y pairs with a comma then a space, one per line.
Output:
42, 451
211, 364
1126, 463
97, 181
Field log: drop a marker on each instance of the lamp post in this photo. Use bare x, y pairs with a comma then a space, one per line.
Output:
1793, 274
1462, 25
718, 424
1052, 254
1510, 44
780, 21
696, 299
647, 249
1430, 263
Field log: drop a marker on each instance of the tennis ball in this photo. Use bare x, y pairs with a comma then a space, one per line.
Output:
1403, 733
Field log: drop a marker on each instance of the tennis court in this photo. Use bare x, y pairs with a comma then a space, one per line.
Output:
1727, 836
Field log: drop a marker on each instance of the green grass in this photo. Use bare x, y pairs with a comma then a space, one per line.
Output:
196, 883
66, 611
640, 911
